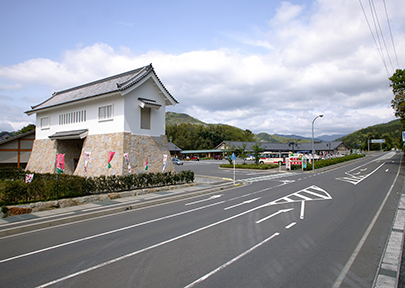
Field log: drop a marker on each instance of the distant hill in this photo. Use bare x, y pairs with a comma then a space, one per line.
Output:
390, 131
280, 138
173, 118
325, 138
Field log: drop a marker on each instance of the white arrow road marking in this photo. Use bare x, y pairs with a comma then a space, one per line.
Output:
357, 179
245, 202
274, 214
302, 210
211, 198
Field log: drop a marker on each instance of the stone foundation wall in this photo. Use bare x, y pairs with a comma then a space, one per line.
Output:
139, 148
43, 157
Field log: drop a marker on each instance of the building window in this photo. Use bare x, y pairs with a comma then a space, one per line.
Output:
45, 123
72, 117
105, 112
145, 118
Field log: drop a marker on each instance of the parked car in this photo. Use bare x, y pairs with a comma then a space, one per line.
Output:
177, 161
195, 158
250, 157
218, 157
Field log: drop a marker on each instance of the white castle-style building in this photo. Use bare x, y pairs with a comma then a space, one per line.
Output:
124, 113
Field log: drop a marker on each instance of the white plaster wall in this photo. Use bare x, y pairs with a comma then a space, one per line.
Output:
132, 121
92, 123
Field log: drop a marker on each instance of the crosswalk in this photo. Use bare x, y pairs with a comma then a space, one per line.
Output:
268, 177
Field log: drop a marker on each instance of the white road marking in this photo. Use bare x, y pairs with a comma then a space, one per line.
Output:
210, 198
245, 202
231, 261
357, 179
349, 263
105, 233
151, 247
302, 210
290, 225
274, 214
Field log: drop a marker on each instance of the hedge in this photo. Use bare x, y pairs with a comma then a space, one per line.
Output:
327, 162
250, 166
45, 187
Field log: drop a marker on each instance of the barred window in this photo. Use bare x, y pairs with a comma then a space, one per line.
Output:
72, 117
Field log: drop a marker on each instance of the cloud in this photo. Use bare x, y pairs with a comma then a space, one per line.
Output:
320, 59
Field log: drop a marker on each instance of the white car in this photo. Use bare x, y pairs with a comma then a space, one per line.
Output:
250, 157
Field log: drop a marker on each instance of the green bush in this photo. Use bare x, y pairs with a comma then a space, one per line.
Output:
44, 187
328, 162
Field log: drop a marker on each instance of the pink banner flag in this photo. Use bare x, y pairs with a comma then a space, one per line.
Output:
60, 163
146, 164
86, 161
110, 156
28, 178
126, 156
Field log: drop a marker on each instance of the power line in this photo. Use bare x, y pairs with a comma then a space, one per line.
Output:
377, 21
375, 41
392, 38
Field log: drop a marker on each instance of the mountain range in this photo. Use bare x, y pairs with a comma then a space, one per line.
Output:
173, 118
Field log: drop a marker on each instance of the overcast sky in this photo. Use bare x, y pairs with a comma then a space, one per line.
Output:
267, 66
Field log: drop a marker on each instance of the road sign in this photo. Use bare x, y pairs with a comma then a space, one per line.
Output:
377, 140
233, 157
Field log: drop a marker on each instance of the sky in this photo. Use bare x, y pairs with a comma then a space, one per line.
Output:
266, 66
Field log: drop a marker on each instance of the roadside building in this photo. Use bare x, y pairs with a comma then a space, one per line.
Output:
15, 151
320, 147
124, 114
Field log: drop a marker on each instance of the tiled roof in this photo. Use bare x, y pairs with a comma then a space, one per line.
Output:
17, 137
65, 135
101, 87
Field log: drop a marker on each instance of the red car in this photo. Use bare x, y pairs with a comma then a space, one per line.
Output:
195, 158
218, 157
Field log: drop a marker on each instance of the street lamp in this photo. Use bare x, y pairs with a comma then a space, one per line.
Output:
313, 149
368, 142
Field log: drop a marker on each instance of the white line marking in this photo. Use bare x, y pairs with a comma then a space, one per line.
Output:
210, 198
149, 248
274, 214
302, 210
356, 180
356, 251
231, 261
290, 225
105, 233
245, 202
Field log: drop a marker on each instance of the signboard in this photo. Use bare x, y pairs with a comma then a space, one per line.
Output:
403, 136
377, 140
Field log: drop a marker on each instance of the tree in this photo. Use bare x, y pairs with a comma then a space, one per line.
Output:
398, 88
256, 152
27, 128
242, 152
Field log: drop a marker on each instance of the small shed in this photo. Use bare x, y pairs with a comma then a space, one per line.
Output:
16, 151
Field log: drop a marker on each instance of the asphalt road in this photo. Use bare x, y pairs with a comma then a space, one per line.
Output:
322, 229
